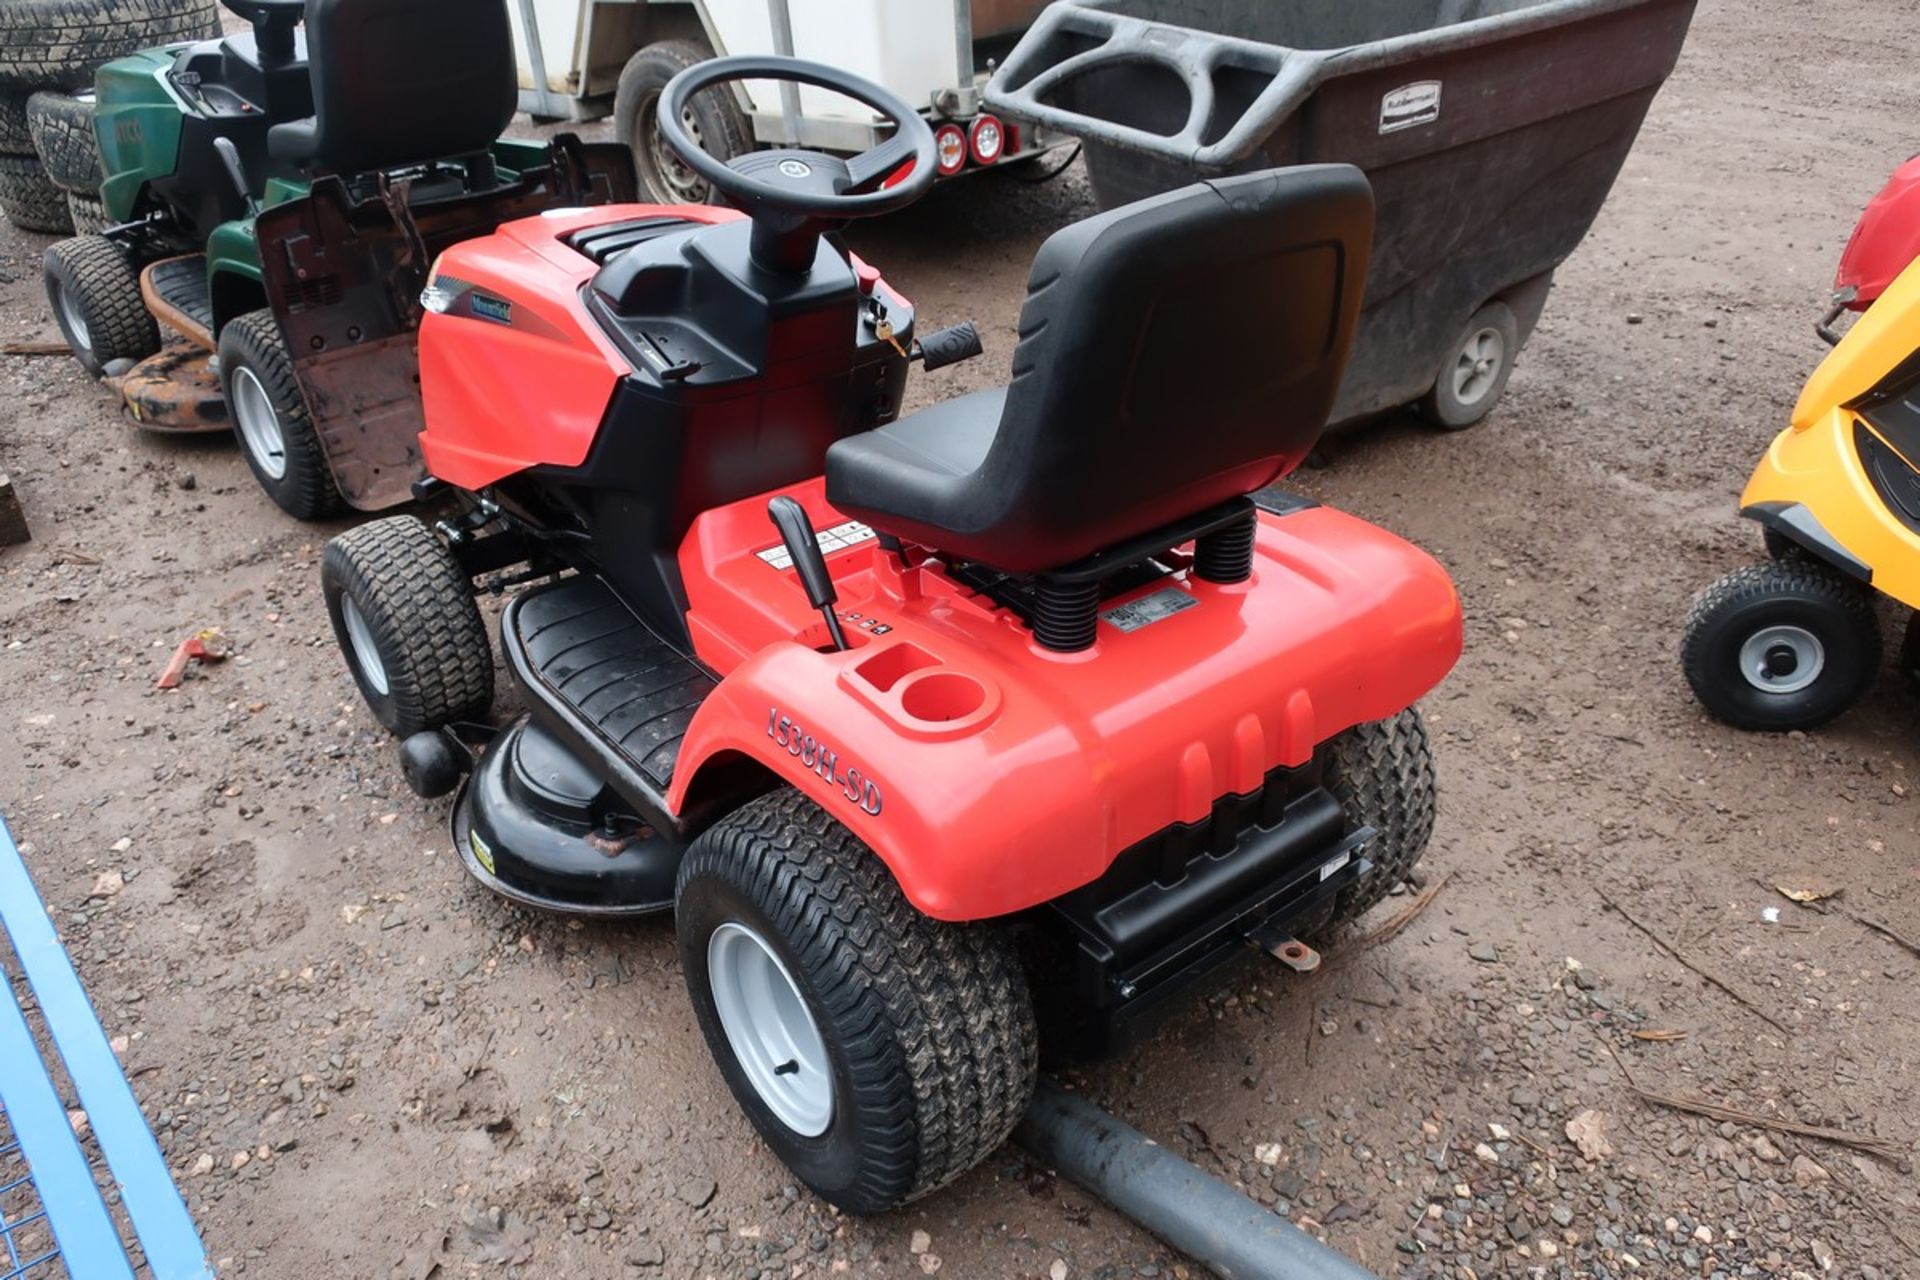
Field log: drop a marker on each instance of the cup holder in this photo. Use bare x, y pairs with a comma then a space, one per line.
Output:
942, 697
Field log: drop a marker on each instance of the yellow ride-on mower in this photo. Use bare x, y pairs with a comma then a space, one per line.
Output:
1794, 642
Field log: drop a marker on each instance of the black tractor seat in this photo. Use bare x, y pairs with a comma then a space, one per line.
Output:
398, 83
1175, 355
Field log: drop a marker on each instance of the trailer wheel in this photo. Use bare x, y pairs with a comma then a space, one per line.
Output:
270, 418
1474, 375
1788, 644
404, 615
880, 1053
29, 198
95, 296
1382, 775
712, 117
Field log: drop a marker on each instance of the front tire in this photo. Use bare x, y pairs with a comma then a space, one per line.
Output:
95, 295
404, 615
880, 1053
712, 117
1789, 644
270, 418
1474, 375
1382, 774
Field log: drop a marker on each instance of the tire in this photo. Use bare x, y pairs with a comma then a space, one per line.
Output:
1474, 375
58, 43
1910, 650
15, 140
713, 117
1788, 644
404, 615
270, 418
924, 1031
88, 213
1382, 774
29, 198
62, 129
1780, 546
95, 296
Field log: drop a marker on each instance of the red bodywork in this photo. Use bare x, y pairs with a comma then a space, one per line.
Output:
989, 774
1885, 242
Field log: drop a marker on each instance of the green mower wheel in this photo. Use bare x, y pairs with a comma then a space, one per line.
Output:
95, 296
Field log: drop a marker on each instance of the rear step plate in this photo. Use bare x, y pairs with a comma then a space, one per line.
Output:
603, 678
176, 292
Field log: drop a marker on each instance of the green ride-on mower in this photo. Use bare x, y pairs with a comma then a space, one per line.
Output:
340, 145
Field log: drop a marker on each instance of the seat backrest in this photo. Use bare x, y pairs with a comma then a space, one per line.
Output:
1176, 353
399, 82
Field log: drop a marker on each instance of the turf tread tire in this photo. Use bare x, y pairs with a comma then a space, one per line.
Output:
420, 608
62, 129
29, 198
307, 490
1382, 774
930, 1024
106, 290
1800, 591
59, 43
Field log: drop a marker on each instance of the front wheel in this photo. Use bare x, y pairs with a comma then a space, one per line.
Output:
404, 616
880, 1053
95, 295
1789, 644
1474, 374
270, 418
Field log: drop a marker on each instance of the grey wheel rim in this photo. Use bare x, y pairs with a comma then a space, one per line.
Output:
1476, 370
366, 654
666, 173
1782, 659
770, 1030
259, 424
76, 320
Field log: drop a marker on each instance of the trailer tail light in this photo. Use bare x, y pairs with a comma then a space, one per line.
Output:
986, 138
950, 147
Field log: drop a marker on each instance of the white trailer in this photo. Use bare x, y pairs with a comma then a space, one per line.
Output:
585, 59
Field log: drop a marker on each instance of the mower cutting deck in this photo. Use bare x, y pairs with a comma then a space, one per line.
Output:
939, 733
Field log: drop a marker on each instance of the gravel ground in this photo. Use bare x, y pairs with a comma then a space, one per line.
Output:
362, 1065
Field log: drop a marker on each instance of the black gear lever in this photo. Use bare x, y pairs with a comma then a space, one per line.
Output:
796, 531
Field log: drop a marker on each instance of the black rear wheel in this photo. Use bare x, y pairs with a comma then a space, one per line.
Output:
271, 421
404, 616
95, 295
1382, 775
879, 1052
1789, 644
713, 118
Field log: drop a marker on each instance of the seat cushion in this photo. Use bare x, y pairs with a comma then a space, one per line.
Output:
915, 464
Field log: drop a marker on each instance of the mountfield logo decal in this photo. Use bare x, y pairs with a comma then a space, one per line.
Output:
1410, 105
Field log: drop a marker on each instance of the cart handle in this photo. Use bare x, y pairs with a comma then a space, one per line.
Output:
1021, 85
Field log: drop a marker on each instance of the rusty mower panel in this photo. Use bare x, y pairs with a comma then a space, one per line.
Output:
344, 276
175, 392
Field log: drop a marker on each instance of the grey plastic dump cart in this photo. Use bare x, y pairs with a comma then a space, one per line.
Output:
1491, 130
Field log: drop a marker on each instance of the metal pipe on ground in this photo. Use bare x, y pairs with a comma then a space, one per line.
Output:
1233, 1236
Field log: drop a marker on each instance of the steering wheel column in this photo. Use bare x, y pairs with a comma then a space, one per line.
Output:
794, 196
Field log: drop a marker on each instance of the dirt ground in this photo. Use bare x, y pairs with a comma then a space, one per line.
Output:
364, 1066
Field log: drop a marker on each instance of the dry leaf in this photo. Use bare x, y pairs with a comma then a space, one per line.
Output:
1660, 1033
1587, 1131
1808, 891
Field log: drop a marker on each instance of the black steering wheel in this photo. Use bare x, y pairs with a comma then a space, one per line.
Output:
794, 195
273, 23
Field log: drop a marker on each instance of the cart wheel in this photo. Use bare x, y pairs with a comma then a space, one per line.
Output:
95, 295
270, 418
712, 117
880, 1053
404, 615
1382, 775
1475, 372
1789, 644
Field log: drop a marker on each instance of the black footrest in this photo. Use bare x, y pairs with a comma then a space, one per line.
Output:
602, 674
181, 284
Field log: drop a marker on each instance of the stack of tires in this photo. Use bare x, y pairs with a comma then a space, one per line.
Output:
49, 164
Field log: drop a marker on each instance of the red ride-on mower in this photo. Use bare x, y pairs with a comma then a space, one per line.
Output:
1034, 700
